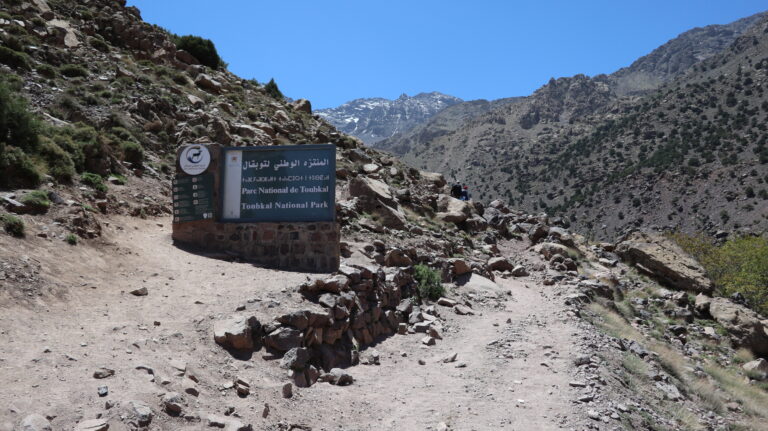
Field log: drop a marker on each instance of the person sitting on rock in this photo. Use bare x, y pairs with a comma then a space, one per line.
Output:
456, 191
465, 196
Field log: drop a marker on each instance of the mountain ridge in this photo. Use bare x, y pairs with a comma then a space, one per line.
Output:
377, 118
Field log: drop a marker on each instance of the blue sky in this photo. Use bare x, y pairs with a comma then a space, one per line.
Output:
334, 51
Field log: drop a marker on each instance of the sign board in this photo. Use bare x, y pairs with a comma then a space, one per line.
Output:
294, 183
192, 197
194, 159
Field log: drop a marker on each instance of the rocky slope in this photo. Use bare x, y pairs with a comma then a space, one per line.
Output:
443, 315
678, 55
374, 119
532, 151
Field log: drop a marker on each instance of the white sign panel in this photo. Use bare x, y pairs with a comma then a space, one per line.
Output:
194, 159
232, 181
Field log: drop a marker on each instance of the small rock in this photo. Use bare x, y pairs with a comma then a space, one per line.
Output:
577, 384
35, 422
287, 390
138, 413
92, 425
103, 373
450, 358
103, 391
428, 341
142, 291
445, 302
173, 403
463, 310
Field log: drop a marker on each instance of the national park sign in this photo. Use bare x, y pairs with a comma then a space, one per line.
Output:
279, 184
272, 205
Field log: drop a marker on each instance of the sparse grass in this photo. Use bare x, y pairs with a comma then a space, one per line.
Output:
753, 400
71, 239
37, 200
743, 356
686, 418
633, 364
13, 225
708, 395
732, 385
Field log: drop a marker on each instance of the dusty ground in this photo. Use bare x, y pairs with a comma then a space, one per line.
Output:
513, 367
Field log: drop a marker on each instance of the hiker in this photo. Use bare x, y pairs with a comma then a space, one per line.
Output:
456, 191
465, 193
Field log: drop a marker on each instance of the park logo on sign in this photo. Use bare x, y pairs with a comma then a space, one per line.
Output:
194, 159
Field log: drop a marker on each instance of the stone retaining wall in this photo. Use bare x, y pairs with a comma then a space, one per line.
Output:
286, 246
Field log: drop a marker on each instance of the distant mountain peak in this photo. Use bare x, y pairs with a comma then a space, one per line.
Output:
374, 119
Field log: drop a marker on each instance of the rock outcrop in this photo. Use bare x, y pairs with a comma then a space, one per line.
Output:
665, 261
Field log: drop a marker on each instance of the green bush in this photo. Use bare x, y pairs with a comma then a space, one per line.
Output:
14, 59
99, 44
95, 181
132, 152
739, 265
428, 282
71, 239
60, 164
202, 49
63, 139
17, 169
13, 225
47, 71
73, 71
272, 89
17, 125
37, 201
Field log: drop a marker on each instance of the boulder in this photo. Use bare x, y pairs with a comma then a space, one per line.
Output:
303, 105
206, 82
453, 210
665, 261
236, 332
295, 359
519, 271
549, 249
757, 368
34, 422
371, 189
459, 266
477, 284
62, 32
185, 57
743, 325
284, 339
436, 179
397, 257
389, 217
538, 232
500, 264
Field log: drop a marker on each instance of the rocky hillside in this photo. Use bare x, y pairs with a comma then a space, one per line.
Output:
532, 151
678, 55
442, 311
374, 119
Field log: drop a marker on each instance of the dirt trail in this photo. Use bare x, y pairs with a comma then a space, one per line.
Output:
515, 376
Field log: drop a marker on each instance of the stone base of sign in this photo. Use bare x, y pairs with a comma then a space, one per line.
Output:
312, 247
